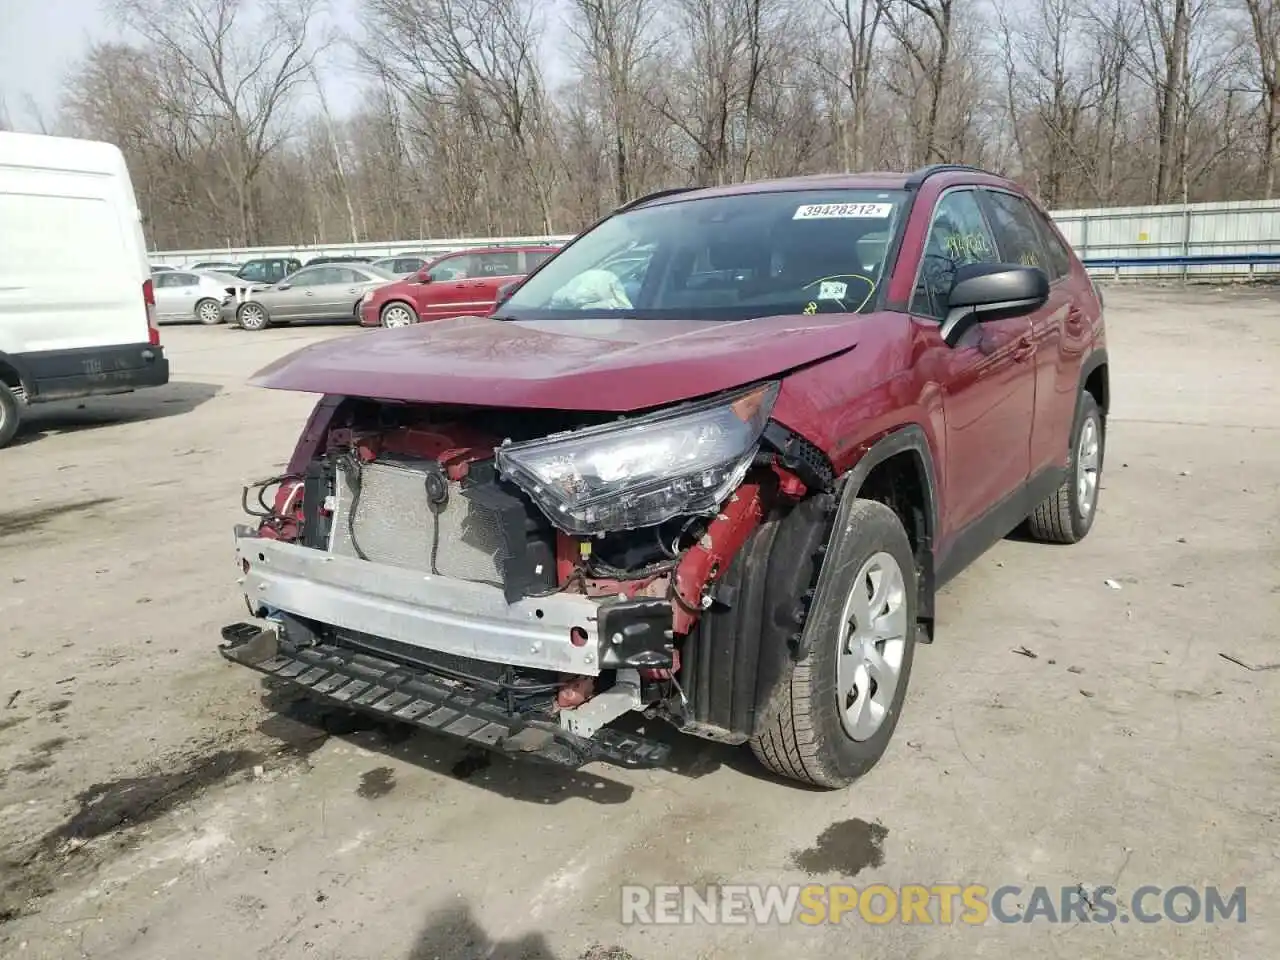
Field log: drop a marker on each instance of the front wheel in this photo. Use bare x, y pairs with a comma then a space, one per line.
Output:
253, 316
397, 315
836, 715
209, 312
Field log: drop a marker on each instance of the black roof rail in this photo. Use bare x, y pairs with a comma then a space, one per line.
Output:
656, 195
918, 177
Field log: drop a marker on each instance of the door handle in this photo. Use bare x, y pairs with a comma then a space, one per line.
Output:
1024, 349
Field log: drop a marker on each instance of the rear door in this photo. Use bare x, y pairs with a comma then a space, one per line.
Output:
493, 270
1058, 349
988, 394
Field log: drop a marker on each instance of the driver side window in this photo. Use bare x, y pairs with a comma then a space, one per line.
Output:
958, 236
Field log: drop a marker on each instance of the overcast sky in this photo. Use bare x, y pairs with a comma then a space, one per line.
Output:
41, 41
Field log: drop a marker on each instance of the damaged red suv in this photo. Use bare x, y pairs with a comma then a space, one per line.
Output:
708, 464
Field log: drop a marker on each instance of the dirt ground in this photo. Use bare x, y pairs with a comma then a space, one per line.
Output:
156, 801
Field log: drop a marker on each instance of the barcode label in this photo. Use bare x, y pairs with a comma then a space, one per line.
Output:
828, 211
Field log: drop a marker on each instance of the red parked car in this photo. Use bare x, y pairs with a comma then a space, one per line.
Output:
709, 464
459, 284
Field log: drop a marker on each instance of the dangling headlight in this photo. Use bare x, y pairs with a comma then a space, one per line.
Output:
642, 471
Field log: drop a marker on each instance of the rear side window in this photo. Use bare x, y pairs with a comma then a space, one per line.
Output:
1015, 231
1059, 255
498, 264
533, 260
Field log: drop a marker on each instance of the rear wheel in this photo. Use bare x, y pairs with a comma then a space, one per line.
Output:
1066, 516
836, 715
209, 312
253, 316
397, 315
10, 414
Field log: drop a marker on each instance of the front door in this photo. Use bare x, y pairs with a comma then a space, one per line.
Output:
175, 295
449, 289
988, 392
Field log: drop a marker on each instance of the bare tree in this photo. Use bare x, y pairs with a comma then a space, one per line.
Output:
930, 51
616, 42
1264, 18
243, 71
849, 62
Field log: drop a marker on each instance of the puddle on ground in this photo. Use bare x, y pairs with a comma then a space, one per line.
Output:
376, 783
847, 848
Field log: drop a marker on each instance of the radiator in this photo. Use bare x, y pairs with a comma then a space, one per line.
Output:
393, 523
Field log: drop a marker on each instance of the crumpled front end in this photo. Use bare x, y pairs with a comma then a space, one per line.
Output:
517, 579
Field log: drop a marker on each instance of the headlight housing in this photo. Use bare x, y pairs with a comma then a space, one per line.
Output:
646, 470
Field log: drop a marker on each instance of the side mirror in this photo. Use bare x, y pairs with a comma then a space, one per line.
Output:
421, 277
506, 290
283, 285
982, 292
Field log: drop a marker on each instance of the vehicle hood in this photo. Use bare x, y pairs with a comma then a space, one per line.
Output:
591, 364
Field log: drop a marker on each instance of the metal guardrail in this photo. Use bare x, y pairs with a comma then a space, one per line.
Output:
1250, 260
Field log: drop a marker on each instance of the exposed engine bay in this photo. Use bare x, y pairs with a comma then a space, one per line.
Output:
615, 532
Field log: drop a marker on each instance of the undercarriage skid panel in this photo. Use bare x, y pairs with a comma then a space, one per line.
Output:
397, 693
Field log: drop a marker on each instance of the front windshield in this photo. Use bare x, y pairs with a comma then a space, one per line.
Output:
722, 258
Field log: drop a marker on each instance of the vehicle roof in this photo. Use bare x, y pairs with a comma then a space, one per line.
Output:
871, 180
59, 153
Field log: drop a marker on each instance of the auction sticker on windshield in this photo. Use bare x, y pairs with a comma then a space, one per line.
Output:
828, 211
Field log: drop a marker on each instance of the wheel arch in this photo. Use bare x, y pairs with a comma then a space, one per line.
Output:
898, 471
742, 649
1095, 379
14, 373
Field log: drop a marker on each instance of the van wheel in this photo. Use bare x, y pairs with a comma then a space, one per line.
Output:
397, 315
10, 414
253, 316
209, 312
834, 717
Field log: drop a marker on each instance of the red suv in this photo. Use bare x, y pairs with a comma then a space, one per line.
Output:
455, 285
709, 464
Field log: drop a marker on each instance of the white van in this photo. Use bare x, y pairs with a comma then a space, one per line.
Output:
77, 306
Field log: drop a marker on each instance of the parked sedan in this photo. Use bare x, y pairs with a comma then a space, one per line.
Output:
404, 264
220, 266
328, 292
193, 295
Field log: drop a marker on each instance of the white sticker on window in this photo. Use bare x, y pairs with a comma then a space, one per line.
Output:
832, 290
828, 211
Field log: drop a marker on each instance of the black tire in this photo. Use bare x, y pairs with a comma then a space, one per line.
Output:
1060, 518
209, 312
10, 414
804, 738
256, 315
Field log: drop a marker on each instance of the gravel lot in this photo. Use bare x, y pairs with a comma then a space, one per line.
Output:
155, 801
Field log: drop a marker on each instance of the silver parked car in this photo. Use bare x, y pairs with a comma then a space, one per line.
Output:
404, 264
327, 292
193, 295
